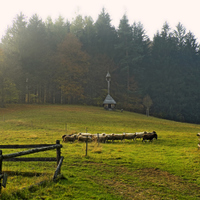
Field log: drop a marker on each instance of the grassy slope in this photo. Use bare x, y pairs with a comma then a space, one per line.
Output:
165, 169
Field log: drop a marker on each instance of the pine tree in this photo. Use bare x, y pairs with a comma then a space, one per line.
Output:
14, 47
106, 35
124, 52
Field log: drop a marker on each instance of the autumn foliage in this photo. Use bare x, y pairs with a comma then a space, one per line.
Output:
71, 68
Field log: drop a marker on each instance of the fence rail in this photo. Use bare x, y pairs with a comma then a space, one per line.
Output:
24, 146
35, 149
48, 159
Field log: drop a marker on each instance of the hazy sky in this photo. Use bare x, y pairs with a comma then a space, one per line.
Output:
151, 13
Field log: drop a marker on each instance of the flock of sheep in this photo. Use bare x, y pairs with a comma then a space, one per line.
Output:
103, 138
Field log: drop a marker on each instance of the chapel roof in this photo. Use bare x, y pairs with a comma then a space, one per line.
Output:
109, 100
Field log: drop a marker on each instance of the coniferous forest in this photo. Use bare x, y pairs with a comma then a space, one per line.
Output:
63, 62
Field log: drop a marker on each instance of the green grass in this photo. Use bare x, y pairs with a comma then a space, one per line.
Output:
164, 169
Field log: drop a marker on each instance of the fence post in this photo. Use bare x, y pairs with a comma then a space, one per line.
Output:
58, 152
98, 138
86, 146
1, 162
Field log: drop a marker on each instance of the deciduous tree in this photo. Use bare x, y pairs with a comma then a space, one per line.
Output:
147, 102
71, 68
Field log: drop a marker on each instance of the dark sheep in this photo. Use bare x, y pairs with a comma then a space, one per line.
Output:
150, 136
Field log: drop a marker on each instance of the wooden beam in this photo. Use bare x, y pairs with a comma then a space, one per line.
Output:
12, 155
58, 168
16, 146
31, 159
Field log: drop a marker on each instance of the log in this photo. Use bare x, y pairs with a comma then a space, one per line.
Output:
58, 168
12, 155
58, 152
19, 146
48, 159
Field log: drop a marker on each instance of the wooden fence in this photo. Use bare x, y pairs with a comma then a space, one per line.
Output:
34, 149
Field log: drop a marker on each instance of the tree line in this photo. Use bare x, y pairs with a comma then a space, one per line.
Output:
63, 62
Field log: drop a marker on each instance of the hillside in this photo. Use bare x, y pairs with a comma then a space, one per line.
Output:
65, 62
164, 169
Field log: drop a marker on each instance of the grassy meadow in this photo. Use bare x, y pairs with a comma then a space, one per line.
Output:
167, 168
